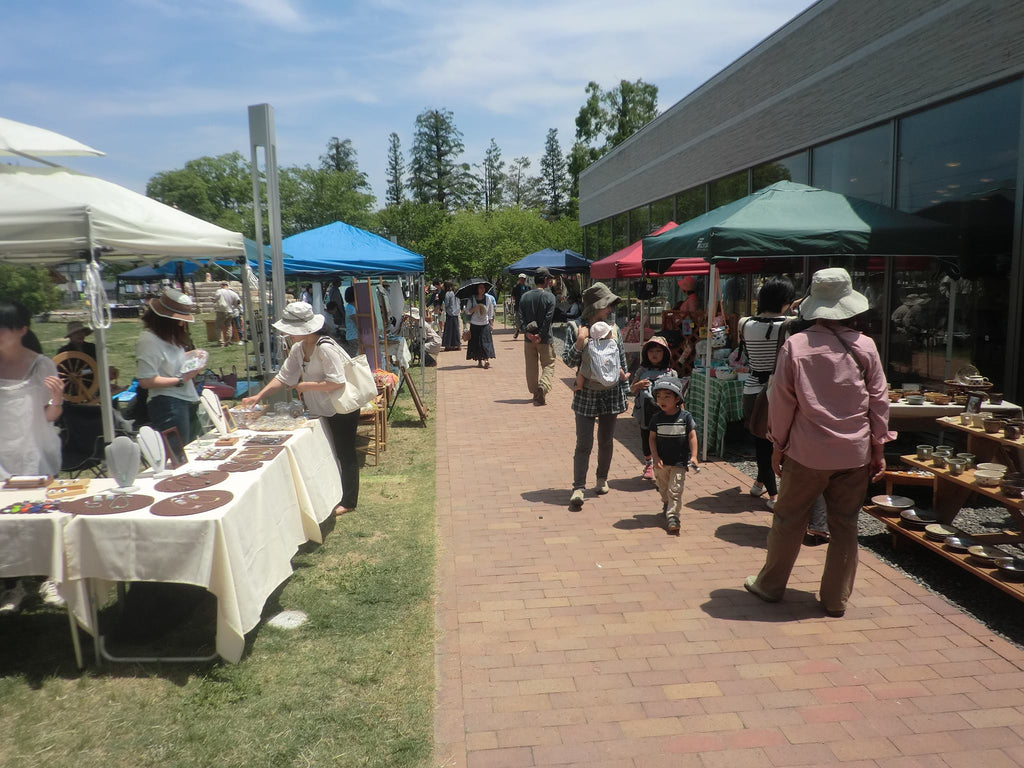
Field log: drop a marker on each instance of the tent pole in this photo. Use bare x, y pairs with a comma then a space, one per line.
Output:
262, 354
954, 288
423, 331
707, 363
103, 374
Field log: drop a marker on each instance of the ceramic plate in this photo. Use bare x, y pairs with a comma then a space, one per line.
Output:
940, 532
960, 543
988, 553
920, 518
1011, 568
892, 503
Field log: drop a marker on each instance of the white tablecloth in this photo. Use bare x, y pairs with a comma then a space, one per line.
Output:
240, 552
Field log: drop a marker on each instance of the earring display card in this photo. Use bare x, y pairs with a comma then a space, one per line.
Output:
191, 503
216, 454
238, 466
256, 453
107, 504
267, 440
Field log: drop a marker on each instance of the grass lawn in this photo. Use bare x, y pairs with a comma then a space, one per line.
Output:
352, 687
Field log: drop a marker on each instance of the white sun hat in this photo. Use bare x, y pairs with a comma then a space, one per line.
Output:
299, 319
832, 297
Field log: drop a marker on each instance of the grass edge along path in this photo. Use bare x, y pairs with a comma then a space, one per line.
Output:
352, 687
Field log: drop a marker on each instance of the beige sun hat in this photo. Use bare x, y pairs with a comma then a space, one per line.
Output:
598, 296
299, 319
600, 330
174, 304
832, 297
75, 326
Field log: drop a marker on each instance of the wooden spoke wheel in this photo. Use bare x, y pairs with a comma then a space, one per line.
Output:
78, 371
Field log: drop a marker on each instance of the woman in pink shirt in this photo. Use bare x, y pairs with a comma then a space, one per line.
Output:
828, 419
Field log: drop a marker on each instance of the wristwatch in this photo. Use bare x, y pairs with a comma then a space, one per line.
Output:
180, 382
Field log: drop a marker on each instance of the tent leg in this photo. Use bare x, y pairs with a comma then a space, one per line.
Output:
707, 364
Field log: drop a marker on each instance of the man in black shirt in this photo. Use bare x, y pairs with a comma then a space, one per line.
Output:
518, 290
536, 311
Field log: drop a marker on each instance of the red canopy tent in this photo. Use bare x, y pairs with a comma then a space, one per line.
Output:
626, 263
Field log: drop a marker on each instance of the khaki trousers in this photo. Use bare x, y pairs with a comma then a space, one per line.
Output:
540, 366
670, 482
844, 494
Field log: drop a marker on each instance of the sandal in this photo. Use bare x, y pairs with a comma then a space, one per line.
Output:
487, 364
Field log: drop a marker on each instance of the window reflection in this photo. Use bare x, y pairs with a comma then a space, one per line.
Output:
858, 165
792, 168
639, 223
620, 232
661, 212
726, 190
690, 204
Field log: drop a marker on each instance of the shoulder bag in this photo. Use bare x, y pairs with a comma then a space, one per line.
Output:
360, 387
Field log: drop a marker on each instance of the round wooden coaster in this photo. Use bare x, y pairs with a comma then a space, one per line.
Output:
191, 503
91, 505
187, 481
238, 466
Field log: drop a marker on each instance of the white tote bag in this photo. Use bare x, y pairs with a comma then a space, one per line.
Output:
360, 387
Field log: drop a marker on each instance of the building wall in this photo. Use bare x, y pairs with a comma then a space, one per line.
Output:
840, 66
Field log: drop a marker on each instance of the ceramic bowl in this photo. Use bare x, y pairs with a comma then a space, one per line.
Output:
965, 419
937, 398
968, 458
996, 398
956, 466
939, 460
892, 503
914, 399
988, 554
988, 466
1011, 568
924, 452
994, 425
987, 478
959, 543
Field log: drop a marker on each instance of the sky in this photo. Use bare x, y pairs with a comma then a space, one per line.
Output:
155, 83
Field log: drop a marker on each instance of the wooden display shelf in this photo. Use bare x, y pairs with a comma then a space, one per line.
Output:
991, 574
966, 480
976, 432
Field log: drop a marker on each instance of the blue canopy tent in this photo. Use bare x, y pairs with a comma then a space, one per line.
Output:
558, 262
340, 248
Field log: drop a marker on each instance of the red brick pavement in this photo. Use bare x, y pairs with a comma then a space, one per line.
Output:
592, 638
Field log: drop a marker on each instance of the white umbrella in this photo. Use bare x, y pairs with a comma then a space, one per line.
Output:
28, 141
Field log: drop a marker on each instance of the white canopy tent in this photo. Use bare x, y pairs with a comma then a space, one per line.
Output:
54, 215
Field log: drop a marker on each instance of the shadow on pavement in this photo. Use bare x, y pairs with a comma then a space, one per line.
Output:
631, 484
740, 605
558, 497
640, 521
744, 534
525, 401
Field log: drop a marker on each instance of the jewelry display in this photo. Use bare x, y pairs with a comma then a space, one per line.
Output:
107, 504
191, 481
191, 503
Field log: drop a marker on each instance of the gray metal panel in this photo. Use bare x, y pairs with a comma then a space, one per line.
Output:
840, 66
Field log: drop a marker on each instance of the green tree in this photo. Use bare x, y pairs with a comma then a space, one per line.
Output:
412, 223
521, 188
341, 158
492, 178
436, 175
554, 175
395, 192
215, 189
313, 197
31, 286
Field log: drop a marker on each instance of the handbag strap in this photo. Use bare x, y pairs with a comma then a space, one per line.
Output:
860, 366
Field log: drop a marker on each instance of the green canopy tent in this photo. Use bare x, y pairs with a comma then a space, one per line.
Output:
789, 219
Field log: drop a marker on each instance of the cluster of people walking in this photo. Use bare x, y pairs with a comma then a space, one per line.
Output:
815, 402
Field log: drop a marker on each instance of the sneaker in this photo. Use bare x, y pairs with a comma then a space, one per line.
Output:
602, 487
649, 471
757, 489
49, 594
673, 524
751, 586
576, 499
11, 599
770, 503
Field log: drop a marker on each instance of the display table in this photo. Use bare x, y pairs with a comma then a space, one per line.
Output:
726, 404
241, 552
911, 417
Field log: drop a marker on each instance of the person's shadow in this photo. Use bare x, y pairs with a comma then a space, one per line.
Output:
639, 521
744, 534
557, 497
728, 501
740, 605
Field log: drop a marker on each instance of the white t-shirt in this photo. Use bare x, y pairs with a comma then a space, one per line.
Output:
156, 357
227, 302
327, 363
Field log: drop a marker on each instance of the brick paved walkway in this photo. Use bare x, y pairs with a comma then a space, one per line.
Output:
592, 638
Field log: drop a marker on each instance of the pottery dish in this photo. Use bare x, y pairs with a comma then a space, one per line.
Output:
987, 554
959, 543
892, 503
1011, 568
987, 478
917, 518
940, 532
988, 466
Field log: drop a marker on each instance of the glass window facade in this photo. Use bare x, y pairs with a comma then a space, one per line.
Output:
639, 222
690, 204
792, 168
662, 212
859, 165
726, 190
590, 241
620, 232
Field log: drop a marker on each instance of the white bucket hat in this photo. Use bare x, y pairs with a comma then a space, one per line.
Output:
600, 330
832, 297
299, 319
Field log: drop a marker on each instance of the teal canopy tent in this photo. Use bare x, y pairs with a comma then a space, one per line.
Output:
788, 219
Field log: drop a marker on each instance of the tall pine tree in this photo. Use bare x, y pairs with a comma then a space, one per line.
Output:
436, 176
395, 192
554, 176
492, 178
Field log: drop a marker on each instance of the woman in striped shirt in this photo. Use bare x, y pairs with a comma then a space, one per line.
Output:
761, 338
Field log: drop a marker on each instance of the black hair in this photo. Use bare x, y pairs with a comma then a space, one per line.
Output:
776, 293
666, 360
14, 315
169, 329
350, 295
31, 341
540, 279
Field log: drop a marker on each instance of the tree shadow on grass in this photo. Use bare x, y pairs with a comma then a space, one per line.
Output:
740, 605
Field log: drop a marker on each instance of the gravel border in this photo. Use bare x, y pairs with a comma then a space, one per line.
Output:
996, 610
